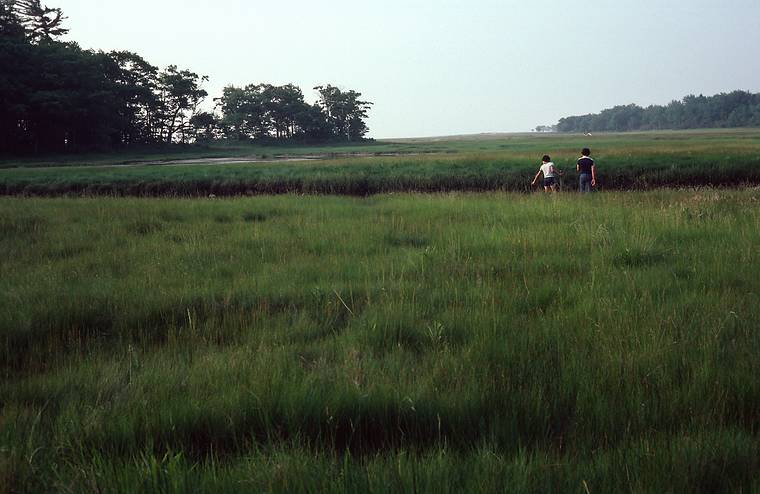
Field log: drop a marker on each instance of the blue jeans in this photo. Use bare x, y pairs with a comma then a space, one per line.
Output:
584, 182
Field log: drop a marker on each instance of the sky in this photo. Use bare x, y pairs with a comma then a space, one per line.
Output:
445, 67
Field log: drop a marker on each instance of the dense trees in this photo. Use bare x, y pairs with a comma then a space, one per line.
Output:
58, 97
735, 109
264, 111
260, 111
344, 111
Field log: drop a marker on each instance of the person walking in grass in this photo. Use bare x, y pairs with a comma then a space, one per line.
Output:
587, 172
550, 173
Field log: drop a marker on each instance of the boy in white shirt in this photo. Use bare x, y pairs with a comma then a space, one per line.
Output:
550, 174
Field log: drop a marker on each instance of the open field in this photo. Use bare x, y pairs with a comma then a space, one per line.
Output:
486, 163
525, 144
449, 342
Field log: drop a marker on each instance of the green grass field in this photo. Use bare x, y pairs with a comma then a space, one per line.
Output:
401, 342
524, 144
487, 163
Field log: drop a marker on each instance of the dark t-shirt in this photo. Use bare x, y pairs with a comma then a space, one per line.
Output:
585, 164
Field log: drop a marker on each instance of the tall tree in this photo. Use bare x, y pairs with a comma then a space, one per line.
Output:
284, 106
345, 112
10, 23
180, 94
137, 84
40, 22
244, 112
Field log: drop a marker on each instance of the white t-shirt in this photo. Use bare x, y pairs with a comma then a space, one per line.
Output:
548, 170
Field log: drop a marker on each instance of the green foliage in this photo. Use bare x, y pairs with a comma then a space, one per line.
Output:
345, 112
56, 97
264, 111
260, 111
734, 109
458, 342
179, 96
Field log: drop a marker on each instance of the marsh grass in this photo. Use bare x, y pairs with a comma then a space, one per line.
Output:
450, 342
635, 161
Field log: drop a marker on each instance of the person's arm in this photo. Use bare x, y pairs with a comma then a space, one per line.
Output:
577, 166
536, 177
593, 175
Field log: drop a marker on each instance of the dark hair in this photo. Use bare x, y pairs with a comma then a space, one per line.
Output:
586, 151
546, 158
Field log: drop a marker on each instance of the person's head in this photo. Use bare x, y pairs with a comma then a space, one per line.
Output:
585, 152
546, 158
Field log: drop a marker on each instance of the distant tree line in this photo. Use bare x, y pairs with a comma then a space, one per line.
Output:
734, 109
57, 97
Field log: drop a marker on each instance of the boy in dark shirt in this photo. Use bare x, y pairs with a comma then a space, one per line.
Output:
587, 171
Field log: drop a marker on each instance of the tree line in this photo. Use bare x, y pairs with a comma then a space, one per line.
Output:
264, 111
57, 97
734, 109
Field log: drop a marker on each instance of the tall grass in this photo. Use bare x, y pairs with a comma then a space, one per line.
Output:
367, 176
449, 342
625, 162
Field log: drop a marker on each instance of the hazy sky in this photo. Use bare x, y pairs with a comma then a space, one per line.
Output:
445, 67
